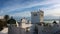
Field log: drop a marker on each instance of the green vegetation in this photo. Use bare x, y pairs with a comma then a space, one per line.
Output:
6, 18
11, 21
1, 25
3, 22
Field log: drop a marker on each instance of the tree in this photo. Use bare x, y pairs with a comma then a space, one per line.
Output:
11, 21
1, 25
6, 17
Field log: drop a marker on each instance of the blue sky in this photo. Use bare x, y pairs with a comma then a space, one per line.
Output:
22, 8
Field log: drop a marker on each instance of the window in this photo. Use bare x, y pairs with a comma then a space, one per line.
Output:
35, 14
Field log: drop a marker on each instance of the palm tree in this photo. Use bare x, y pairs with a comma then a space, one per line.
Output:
6, 17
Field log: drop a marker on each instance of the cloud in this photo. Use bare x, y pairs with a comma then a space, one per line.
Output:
48, 6
22, 14
54, 12
12, 6
24, 5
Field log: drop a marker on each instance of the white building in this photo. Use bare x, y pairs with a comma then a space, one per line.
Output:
24, 23
37, 17
24, 20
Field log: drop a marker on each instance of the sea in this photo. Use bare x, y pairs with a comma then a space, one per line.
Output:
45, 20
51, 21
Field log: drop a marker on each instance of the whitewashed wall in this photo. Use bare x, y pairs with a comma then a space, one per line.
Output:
14, 30
48, 30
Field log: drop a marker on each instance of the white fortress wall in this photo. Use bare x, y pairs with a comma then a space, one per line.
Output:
14, 30
48, 29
